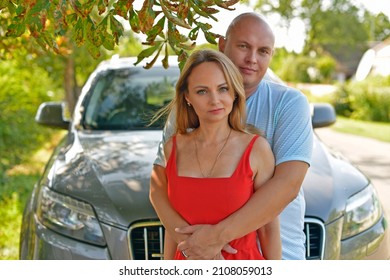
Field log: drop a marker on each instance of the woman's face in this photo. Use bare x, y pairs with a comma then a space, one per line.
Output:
209, 93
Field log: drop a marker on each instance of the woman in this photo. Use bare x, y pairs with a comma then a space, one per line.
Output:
214, 163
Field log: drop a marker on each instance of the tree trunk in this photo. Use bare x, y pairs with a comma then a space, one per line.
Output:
70, 84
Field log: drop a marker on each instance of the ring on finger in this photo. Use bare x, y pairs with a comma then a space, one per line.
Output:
184, 253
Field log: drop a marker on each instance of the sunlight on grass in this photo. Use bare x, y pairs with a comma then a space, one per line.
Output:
376, 130
18, 184
10, 212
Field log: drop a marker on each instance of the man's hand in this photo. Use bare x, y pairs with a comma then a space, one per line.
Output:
203, 243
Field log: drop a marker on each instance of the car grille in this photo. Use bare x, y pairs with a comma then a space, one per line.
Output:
315, 239
146, 240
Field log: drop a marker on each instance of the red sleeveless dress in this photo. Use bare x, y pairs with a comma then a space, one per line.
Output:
210, 200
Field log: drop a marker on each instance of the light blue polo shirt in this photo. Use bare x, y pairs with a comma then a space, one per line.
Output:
283, 114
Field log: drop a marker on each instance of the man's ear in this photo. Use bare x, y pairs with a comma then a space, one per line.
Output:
221, 44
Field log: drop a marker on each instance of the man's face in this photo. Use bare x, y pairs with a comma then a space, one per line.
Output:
250, 46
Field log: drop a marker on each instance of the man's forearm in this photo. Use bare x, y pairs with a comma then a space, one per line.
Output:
159, 199
266, 203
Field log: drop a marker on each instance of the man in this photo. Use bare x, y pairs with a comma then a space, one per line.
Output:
283, 114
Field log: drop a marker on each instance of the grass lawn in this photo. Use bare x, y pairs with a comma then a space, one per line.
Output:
376, 130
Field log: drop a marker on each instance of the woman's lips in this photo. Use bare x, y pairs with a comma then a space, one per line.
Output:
216, 111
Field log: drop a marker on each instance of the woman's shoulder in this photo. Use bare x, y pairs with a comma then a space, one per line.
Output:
261, 149
177, 140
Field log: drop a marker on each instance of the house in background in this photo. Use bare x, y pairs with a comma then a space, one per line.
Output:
375, 61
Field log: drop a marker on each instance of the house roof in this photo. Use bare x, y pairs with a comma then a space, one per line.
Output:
375, 60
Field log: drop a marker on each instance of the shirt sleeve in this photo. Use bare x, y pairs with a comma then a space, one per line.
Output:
168, 131
293, 130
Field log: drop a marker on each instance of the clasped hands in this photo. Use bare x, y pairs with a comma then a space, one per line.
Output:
203, 243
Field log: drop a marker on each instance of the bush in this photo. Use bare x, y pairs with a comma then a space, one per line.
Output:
295, 69
367, 100
21, 92
304, 69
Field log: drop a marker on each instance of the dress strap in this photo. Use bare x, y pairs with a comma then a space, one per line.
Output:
252, 142
243, 166
248, 149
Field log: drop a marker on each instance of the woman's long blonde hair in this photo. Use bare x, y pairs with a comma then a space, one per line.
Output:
186, 117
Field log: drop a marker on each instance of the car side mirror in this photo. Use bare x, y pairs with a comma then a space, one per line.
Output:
51, 114
323, 115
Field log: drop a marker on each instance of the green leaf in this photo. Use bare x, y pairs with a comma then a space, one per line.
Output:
41, 42
93, 33
156, 30
72, 19
100, 33
3, 4
116, 28
16, 30
79, 32
108, 41
60, 19
226, 4
148, 52
146, 16
172, 18
182, 59
134, 21
151, 63
93, 50
39, 6
210, 37
173, 34
122, 7
165, 59
188, 47
102, 6
200, 11
193, 35
204, 26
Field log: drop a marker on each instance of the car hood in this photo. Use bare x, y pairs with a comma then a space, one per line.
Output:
110, 171
330, 181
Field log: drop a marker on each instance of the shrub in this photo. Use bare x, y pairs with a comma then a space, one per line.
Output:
367, 100
21, 92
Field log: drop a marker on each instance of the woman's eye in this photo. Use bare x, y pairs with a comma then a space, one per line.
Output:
201, 92
224, 89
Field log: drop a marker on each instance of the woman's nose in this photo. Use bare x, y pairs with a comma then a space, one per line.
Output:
214, 97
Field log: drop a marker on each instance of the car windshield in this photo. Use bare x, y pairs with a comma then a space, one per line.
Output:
127, 98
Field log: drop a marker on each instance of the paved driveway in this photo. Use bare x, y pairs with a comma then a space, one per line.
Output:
371, 156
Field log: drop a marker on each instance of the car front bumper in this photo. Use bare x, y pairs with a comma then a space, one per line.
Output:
43, 243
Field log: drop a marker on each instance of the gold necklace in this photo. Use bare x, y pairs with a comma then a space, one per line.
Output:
216, 159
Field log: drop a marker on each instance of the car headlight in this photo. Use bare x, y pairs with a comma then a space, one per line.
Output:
69, 216
363, 210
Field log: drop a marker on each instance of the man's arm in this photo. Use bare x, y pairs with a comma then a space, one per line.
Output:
270, 241
265, 205
159, 198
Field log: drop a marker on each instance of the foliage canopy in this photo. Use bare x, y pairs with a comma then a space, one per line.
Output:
101, 23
